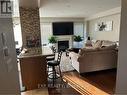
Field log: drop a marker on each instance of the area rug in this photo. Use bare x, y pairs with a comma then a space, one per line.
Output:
65, 63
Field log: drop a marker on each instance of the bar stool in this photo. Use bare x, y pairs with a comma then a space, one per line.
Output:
53, 64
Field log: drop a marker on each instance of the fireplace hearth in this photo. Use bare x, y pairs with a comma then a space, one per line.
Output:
63, 45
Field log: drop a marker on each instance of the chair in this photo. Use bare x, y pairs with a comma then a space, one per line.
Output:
51, 57
53, 64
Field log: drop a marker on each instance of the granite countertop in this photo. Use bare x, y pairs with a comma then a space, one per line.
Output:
35, 53
27, 55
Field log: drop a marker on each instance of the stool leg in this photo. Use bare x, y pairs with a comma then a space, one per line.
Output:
47, 68
60, 73
53, 75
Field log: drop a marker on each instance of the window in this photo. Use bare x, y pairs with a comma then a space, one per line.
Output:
18, 35
79, 29
46, 32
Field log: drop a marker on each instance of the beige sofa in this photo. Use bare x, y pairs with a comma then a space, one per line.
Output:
95, 59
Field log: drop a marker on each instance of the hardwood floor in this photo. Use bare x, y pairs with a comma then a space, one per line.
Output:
61, 88
52, 91
95, 83
105, 80
43, 91
63, 91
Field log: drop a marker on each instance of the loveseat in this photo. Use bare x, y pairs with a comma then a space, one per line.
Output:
101, 56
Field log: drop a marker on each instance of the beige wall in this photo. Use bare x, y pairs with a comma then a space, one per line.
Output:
109, 35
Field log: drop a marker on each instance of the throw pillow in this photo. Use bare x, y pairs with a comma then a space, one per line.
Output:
97, 44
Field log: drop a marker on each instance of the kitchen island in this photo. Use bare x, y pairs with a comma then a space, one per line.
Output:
33, 69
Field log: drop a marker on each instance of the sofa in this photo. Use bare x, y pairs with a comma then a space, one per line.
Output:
101, 56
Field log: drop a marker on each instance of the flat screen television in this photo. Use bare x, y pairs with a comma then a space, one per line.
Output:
62, 28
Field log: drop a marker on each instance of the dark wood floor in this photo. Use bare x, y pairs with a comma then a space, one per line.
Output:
105, 80
61, 88
92, 82
62, 91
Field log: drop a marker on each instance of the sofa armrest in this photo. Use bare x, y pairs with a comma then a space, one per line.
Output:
73, 55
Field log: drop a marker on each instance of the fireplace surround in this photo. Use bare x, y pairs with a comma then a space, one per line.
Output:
66, 40
63, 45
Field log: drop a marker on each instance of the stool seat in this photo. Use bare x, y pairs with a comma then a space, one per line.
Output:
53, 63
49, 58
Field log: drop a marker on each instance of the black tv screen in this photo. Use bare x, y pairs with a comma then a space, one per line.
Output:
62, 28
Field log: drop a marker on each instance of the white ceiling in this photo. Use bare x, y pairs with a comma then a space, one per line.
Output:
67, 8
75, 8
29, 3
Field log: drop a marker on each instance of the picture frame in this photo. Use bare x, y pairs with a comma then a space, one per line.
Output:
104, 26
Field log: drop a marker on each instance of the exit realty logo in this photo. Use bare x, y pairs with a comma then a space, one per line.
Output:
6, 8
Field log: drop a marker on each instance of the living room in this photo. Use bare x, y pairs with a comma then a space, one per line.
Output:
101, 23
85, 27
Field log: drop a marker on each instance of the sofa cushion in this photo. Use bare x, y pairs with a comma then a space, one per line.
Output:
107, 43
97, 46
113, 46
87, 49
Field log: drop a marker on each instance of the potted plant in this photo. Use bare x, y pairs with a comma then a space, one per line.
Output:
77, 39
52, 40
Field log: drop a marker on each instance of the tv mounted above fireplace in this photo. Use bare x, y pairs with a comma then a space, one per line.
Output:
62, 28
